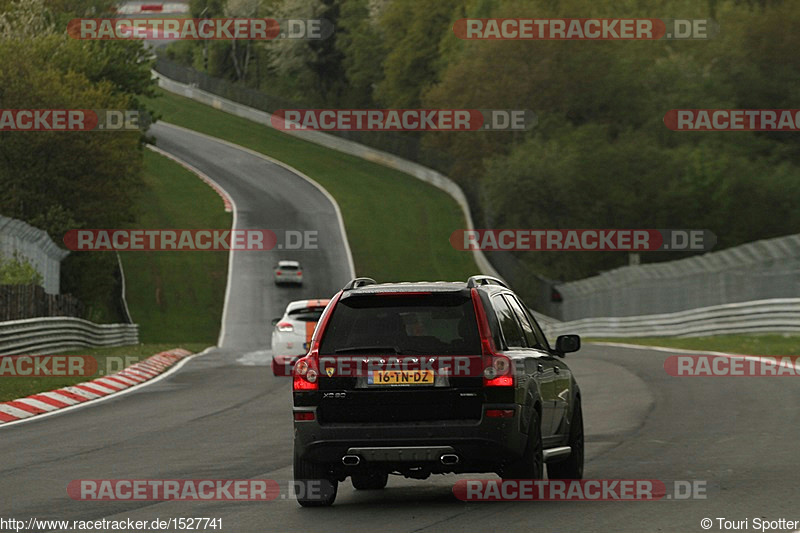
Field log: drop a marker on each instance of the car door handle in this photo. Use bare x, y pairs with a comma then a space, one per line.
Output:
556, 370
540, 367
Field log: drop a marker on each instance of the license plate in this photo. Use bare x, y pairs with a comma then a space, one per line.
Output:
401, 377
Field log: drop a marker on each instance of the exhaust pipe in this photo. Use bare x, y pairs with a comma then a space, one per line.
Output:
351, 460
449, 459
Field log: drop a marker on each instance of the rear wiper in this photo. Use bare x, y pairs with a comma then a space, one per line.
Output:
358, 349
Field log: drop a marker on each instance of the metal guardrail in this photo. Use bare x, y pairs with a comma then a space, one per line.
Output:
778, 315
48, 335
760, 270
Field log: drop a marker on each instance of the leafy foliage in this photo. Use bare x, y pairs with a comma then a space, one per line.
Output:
63, 180
18, 271
600, 155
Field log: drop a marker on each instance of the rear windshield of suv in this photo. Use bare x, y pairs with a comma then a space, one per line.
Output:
434, 324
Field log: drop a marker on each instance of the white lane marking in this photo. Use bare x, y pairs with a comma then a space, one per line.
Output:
235, 210
37, 403
59, 398
779, 361
660, 348
177, 366
13, 411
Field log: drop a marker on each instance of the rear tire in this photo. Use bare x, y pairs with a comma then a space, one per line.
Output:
316, 488
572, 466
531, 465
370, 481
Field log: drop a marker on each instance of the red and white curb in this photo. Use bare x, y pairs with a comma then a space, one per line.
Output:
47, 402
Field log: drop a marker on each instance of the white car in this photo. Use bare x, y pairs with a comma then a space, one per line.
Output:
288, 272
293, 332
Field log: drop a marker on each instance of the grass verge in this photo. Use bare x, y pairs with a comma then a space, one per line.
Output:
177, 296
109, 361
398, 226
775, 344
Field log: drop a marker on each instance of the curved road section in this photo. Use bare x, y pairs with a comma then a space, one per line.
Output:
266, 196
224, 416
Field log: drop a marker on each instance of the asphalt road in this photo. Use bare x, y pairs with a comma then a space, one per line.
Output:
223, 415
267, 196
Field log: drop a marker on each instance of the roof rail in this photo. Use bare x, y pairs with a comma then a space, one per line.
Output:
359, 282
475, 281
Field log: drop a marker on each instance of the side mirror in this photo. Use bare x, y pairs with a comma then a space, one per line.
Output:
275, 321
568, 343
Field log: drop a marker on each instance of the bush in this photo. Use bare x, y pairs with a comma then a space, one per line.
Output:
18, 271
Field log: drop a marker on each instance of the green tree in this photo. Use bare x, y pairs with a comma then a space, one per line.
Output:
63, 180
413, 31
361, 43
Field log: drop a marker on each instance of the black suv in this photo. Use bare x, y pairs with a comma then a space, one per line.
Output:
431, 378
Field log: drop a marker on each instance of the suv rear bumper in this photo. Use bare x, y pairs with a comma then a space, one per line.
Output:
481, 445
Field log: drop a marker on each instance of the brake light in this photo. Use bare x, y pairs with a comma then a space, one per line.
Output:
299, 272
278, 272
497, 371
285, 326
305, 375
304, 416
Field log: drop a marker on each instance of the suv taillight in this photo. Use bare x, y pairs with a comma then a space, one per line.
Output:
305, 374
285, 326
497, 371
